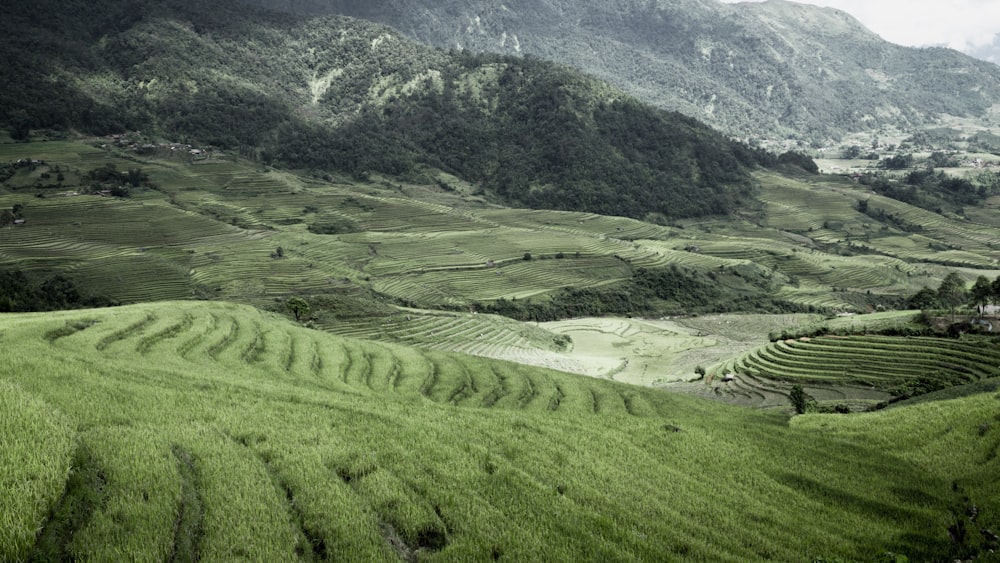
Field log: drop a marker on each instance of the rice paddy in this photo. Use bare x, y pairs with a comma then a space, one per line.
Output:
215, 431
186, 430
211, 227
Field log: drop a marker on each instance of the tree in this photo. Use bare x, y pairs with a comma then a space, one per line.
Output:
924, 299
298, 306
851, 152
996, 291
952, 292
898, 162
982, 292
136, 177
59, 291
801, 160
20, 125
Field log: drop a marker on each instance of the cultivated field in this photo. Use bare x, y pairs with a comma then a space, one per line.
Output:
210, 227
213, 431
639, 352
412, 427
222, 228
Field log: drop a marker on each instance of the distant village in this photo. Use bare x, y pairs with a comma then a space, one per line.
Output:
137, 143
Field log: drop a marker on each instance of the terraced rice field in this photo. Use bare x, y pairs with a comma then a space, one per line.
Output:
516, 280
797, 208
214, 431
878, 362
636, 351
194, 333
134, 251
422, 252
231, 217
486, 336
210, 431
586, 224
768, 394
825, 210
71, 153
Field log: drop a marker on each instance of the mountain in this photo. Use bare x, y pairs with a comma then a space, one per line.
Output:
751, 69
342, 95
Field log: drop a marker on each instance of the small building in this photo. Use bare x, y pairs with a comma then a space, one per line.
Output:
19, 222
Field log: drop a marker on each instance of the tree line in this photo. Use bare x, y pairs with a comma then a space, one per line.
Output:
932, 189
954, 293
20, 293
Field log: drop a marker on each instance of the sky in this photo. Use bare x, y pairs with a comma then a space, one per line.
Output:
971, 26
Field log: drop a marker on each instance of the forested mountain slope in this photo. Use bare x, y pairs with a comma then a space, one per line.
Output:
338, 94
751, 69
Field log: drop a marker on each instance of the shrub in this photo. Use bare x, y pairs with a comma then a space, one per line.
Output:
333, 226
801, 401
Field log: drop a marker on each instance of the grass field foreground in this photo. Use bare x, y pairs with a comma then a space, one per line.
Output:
214, 431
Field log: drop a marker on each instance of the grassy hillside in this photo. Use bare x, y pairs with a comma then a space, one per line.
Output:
213, 431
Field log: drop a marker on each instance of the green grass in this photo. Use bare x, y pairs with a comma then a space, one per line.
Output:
215, 431
953, 440
37, 443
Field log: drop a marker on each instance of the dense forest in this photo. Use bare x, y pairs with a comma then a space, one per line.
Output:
537, 138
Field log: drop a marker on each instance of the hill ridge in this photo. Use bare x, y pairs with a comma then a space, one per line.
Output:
751, 69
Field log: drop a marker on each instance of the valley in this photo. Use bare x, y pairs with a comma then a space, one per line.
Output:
439, 268
280, 284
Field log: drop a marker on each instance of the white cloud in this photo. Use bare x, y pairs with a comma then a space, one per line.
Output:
959, 24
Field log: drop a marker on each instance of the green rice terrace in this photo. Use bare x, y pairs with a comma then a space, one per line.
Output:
309, 367
200, 430
856, 368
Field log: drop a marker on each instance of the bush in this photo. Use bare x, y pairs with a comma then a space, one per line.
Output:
333, 226
801, 401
